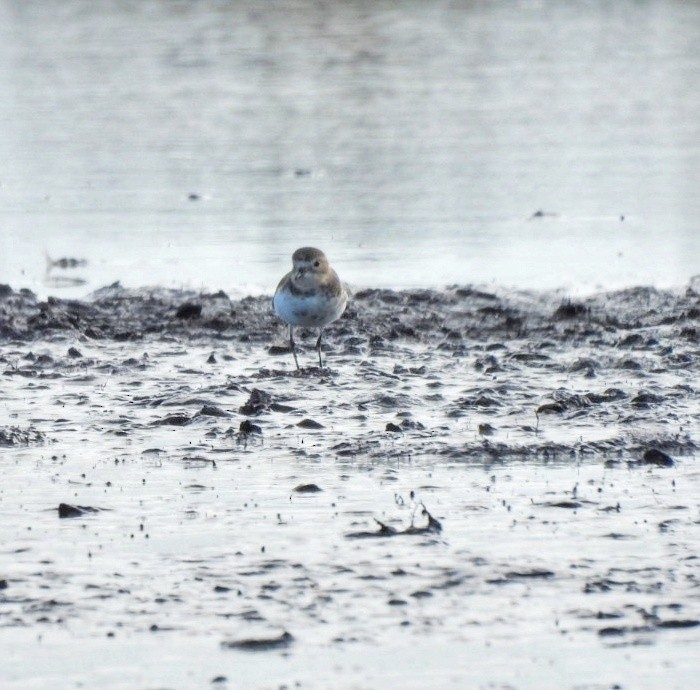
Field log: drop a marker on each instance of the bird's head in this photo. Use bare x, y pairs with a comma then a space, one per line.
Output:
309, 264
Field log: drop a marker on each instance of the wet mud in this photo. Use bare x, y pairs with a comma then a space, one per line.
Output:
470, 468
623, 362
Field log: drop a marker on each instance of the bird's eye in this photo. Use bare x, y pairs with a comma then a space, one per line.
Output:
317, 264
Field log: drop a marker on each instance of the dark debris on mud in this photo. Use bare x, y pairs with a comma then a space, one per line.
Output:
431, 526
11, 436
261, 644
67, 510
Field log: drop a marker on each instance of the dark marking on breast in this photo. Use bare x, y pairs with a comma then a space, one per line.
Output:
295, 290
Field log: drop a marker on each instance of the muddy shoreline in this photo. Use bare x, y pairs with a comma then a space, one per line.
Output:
626, 358
452, 318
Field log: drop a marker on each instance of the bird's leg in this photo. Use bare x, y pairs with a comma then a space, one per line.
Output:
318, 347
292, 345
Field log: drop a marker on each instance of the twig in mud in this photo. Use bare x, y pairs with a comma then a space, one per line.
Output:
433, 527
433, 523
384, 531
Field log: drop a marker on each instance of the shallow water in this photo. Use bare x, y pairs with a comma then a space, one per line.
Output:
412, 143
562, 559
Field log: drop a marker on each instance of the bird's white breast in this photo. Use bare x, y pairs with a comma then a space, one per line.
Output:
314, 310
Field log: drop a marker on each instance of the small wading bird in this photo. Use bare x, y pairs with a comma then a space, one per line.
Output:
310, 295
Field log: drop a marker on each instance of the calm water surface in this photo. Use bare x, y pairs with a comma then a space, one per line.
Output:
413, 142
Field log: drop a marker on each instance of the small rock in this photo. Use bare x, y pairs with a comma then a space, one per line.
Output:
278, 407
397, 602
570, 310
421, 594
657, 457
611, 631
212, 359
608, 395
675, 624
247, 427
213, 411
173, 420
631, 340
486, 429
393, 428
65, 510
551, 408
260, 644
258, 402
411, 424
307, 488
310, 424
189, 310
531, 574
74, 352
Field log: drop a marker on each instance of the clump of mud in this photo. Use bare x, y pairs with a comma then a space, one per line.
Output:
11, 436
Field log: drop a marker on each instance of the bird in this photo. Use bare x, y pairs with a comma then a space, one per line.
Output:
310, 295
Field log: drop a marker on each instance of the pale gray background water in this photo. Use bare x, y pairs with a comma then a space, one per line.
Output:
412, 141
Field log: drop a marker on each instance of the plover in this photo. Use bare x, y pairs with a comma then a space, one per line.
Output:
310, 295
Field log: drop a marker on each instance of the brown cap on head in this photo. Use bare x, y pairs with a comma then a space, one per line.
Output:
307, 254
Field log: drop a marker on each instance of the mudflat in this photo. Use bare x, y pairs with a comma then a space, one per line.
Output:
508, 476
